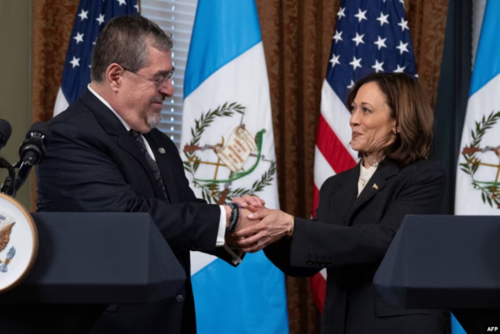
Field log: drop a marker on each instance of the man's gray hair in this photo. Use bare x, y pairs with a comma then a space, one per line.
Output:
123, 41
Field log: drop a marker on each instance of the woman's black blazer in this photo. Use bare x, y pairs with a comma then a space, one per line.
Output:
350, 237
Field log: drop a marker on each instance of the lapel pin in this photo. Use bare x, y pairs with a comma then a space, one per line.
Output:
161, 150
375, 186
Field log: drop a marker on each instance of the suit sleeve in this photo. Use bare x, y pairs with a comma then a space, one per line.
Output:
316, 244
279, 253
78, 174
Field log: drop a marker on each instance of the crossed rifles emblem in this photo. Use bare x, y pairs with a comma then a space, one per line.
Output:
494, 186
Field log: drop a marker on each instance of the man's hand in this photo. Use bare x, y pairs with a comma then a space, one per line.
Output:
273, 225
243, 223
252, 203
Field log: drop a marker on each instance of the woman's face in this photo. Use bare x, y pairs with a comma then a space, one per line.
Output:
371, 122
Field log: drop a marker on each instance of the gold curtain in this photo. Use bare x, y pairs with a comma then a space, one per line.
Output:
52, 25
297, 37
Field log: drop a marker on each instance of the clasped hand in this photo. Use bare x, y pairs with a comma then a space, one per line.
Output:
259, 226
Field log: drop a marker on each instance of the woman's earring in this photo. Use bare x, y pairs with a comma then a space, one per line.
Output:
395, 133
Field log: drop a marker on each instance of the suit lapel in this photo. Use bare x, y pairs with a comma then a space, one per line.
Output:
164, 166
377, 182
112, 125
344, 198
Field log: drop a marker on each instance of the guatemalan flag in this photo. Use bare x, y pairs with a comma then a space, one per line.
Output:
478, 175
370, 36
92, 16
228, 151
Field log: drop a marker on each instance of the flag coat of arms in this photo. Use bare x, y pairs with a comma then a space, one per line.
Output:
370, 36
228, 150
478, 175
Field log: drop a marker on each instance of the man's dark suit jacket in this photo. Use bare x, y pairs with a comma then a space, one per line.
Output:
93, 164
350, 237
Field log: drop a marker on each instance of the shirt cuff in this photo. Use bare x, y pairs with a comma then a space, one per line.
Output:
235, 253
221, 240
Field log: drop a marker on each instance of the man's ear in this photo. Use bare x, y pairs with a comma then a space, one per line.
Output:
114, 76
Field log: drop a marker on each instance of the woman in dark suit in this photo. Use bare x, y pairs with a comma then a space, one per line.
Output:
361, 209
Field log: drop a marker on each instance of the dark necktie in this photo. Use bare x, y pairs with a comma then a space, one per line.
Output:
152, 164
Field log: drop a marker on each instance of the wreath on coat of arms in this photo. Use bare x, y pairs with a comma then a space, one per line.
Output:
490, 190
232, 153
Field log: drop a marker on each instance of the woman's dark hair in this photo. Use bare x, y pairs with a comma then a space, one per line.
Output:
413, 114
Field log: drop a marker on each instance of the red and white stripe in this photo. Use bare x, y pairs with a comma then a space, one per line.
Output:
333, 155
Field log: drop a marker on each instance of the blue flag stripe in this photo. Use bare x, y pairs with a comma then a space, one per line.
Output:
487, 63
227, 305
212, 44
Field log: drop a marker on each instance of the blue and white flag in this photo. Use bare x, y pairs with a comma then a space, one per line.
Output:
228, 150
478, 175
92, 16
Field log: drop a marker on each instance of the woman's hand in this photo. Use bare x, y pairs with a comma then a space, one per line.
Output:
252, 203
275, 224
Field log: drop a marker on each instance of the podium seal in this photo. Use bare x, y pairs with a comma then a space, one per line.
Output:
18, 242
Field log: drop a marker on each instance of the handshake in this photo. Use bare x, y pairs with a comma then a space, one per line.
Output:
257, 226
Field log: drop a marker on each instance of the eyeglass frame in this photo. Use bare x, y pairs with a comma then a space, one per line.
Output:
159, 82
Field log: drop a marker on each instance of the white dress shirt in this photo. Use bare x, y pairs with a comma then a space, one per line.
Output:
220, 241
365, 174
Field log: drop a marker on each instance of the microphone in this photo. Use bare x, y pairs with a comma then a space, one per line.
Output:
5, 132
31, 151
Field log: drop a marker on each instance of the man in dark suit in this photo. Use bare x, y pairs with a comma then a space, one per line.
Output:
106, 155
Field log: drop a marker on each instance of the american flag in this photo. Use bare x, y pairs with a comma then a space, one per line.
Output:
91, 17
370, 36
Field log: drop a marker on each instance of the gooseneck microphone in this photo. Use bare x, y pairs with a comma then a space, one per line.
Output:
5, 132
31, 151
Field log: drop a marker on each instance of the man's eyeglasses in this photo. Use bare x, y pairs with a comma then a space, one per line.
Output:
158, 81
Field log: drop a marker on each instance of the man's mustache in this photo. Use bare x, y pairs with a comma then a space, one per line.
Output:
158, 99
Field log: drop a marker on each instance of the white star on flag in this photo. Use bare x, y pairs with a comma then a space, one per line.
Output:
83, 14
355, 63
335, 60
358, 39
400, 69
361, 15
136, 7
403, 24
338, 36
78, 38
75, 62
383, 19
380, 43
402, 47
378, 66
351, 85
100, 19
341, 12
89, 19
